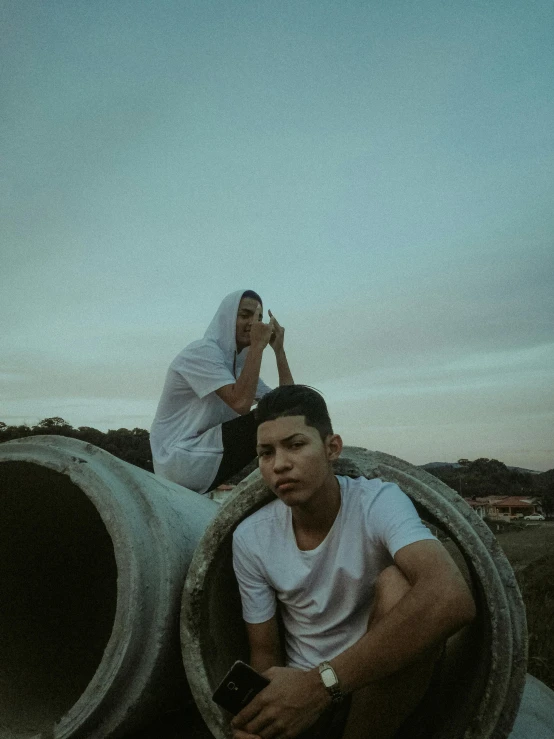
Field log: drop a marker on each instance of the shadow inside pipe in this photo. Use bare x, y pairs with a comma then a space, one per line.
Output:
58, 580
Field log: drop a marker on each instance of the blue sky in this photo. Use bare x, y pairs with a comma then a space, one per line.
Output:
382, 173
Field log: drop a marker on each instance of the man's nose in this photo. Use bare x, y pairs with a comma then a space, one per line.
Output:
281, 461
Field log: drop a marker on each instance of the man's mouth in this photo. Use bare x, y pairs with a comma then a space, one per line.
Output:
283, 485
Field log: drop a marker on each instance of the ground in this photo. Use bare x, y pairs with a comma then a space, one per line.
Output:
531, 554
528, 544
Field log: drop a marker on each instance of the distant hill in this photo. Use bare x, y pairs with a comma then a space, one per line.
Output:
545, 479
455, 466
480, 477
469, 478
529, 472
430, 465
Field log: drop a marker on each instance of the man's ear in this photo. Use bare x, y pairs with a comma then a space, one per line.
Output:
334, 447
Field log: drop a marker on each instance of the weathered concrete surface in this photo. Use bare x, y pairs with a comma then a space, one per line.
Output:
93, 556
535, 718
486, 664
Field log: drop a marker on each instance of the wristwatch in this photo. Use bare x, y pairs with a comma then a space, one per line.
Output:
331, 682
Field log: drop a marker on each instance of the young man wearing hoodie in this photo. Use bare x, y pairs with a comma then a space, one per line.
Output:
204, 430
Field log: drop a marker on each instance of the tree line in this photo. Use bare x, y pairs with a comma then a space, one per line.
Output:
131, 445
470, 479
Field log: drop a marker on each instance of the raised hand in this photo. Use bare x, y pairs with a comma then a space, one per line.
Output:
260, 333
278, 336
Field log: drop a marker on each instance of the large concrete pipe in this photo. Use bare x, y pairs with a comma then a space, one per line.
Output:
93, 556
535, 718
484, 672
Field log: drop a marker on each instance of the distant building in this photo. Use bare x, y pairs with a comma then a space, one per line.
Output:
504, 508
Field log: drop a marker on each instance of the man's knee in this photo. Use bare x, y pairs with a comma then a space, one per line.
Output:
390, 588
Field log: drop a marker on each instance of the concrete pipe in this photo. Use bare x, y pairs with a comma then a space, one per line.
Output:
484, 671
93, 556
535, 718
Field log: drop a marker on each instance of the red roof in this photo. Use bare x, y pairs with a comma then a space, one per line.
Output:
514, 501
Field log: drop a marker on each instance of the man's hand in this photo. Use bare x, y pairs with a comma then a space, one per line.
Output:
260, 333
239, 734
278, 337
290, 704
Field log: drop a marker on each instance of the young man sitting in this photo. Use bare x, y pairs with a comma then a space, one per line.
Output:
204, 431
366, 593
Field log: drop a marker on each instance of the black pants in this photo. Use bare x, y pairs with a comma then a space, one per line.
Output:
332, 723
239, 447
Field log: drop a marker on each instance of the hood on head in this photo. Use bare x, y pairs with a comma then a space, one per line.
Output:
223, 325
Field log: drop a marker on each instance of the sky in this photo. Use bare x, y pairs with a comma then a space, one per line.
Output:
380, 172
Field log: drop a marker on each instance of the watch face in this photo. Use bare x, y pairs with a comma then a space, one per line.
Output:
328, 678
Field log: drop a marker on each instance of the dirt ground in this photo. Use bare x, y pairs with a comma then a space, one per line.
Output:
531, 554
524, 546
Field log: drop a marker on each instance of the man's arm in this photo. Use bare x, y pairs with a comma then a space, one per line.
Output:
285, 375
240, 395
277, 344
265, 645
437, 605
265, 652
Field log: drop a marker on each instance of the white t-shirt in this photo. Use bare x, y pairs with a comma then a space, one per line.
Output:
186, 433
325, 593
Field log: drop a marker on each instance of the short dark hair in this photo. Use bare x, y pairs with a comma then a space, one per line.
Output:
296, 400
252, 294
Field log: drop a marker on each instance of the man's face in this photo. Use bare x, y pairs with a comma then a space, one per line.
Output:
245, 315
293, 459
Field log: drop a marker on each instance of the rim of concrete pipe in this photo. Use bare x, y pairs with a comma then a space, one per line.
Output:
502, 605
501, 596
135, 651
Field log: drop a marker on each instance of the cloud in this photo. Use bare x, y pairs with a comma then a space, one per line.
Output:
37, 375
360, 336
422, 428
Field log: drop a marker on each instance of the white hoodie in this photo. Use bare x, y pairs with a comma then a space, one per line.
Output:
186, 433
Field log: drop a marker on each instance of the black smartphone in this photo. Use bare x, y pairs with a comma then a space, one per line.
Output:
238, 687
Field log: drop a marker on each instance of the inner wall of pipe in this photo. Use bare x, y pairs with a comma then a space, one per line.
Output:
58, 594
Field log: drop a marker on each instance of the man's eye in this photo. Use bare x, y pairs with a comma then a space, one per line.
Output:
263, 454
297, 444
